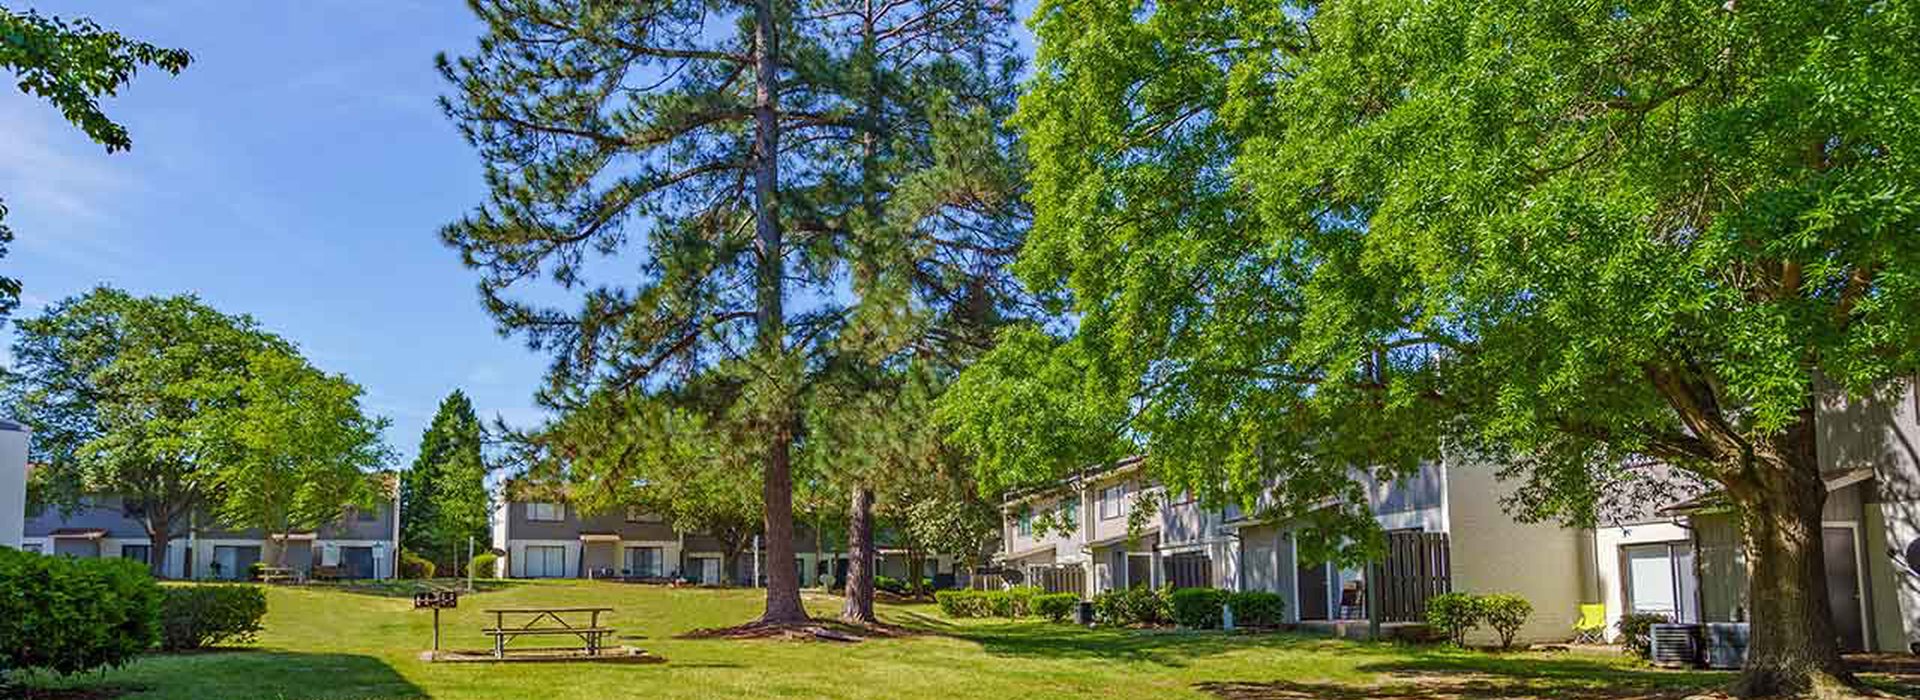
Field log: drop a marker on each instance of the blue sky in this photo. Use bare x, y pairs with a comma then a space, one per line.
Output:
298, 171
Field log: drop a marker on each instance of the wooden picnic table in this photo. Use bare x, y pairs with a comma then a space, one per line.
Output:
279, 574
591, 634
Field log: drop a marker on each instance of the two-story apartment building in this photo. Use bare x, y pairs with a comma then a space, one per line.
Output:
363, 543
1469, 544
546, 537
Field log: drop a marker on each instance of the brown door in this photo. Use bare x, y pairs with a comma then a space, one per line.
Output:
1843, 588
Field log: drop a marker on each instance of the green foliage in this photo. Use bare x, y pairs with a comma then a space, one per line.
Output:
1258, 608
196, 617
1636, 632
443, 496
891, 585
1012, 602
963, 603
413, 565
1056, 607
1134, 606
483, 565
1198, 608
136, 396
297, 448
71, 64
1506, 614
69, 616
1454, 614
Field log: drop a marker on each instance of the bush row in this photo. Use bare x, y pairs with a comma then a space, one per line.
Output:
67, 615
1198, 608
1455, 614
1019, 601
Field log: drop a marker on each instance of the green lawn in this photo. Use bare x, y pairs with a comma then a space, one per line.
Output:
330, 643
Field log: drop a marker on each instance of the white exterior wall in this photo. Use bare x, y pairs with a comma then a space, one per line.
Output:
1607, 542
1493, 553
13, 485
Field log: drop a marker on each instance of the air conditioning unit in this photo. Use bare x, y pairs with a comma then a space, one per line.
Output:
1727, 644
1675, 645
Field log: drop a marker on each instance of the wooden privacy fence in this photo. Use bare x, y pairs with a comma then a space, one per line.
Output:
1417, 567
1058, 579
1189, 570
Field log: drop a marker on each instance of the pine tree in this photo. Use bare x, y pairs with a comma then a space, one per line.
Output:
729, 154
443, 496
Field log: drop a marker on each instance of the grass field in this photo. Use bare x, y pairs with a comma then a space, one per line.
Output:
339, 644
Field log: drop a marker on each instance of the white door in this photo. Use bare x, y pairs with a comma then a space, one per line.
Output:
1650, 581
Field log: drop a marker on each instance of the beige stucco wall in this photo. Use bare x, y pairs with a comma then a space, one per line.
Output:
1493, 553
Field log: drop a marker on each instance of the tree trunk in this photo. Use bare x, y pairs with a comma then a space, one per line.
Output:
859, 608
783, 584
157, 541
1794, 649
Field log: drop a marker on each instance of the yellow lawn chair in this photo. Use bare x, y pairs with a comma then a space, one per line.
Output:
1592, 627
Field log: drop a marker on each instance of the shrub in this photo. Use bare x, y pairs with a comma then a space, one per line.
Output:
1013, 602
1258, 608
1636, 632
193, 617
482, 565
962, 603
414, 566
255, 570
69, 615
890, 585
1505, 613
1198, 608
1453, 614
1055, 606
1132, 606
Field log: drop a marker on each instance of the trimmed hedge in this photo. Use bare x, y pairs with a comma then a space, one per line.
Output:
482, 565
194, 617
1506, 614
415, 566
1257, 609
1012, 602
1055, 606
1133, 606
1636, 632
1199, 608
1454, 614
890, 585
70, 616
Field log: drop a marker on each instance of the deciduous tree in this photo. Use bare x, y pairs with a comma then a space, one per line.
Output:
1300, 238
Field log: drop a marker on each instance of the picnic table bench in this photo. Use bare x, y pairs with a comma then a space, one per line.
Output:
547, 622
279, 574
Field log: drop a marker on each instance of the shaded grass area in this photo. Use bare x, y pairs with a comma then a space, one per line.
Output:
326, 644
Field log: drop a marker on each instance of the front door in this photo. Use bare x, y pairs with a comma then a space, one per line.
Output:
710, 571
356, 562
1312, 584
1843, 588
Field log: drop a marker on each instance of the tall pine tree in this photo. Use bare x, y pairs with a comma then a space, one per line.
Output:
703, 175
443, 497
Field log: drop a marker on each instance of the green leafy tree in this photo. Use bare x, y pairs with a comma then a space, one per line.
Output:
133, 396
72, 64
300, 450
443, 497
740, 174
1303, 238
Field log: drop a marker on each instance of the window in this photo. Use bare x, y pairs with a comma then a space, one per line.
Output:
1025, 523
132, 509
546, 512
366, 515
545, 561
136, 552
637, 515
645, 562
1070, 513
1113, 502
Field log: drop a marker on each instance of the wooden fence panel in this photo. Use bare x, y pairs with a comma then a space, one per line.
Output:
1417, 568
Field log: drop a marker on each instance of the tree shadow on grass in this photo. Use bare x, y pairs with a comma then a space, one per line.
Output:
240, 674
406, 588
